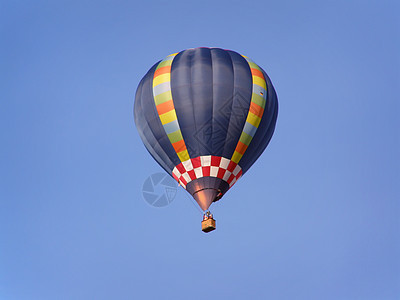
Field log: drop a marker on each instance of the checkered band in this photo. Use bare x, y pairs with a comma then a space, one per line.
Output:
202, 166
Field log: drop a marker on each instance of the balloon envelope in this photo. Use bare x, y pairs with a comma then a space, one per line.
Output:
206, 115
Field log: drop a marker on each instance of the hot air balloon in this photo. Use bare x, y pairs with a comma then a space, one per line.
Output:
206, 115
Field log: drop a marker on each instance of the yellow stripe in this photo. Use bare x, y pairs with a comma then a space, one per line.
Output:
253, 65
259, 81
236, 157
168, 117
163, 97
183, 155
164, 63
258, 99
253, 119
161, 79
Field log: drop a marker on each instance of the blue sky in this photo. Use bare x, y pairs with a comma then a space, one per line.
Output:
317, 217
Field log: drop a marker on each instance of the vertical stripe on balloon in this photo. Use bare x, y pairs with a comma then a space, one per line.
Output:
165, 106
256, 111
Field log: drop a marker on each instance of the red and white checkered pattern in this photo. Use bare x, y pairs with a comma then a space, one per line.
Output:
209, 165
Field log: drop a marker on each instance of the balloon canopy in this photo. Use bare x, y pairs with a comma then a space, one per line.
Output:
206, 115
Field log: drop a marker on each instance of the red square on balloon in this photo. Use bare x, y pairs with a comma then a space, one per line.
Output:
192, 174
221, 173
181, 168
215, 161
206, 171
196, 162
231, 166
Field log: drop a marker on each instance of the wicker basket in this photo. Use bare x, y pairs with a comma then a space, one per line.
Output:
208, 225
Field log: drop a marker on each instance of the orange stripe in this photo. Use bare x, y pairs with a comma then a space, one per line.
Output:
257, 73
179, 146
255, 109
165, 107
162, 70
241, 148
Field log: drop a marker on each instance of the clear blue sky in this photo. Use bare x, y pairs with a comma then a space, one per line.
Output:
318, 215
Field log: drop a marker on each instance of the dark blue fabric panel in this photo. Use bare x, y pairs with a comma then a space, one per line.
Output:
222, 73
151, 126
240, 101
191, 84
265, 130
212, 90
